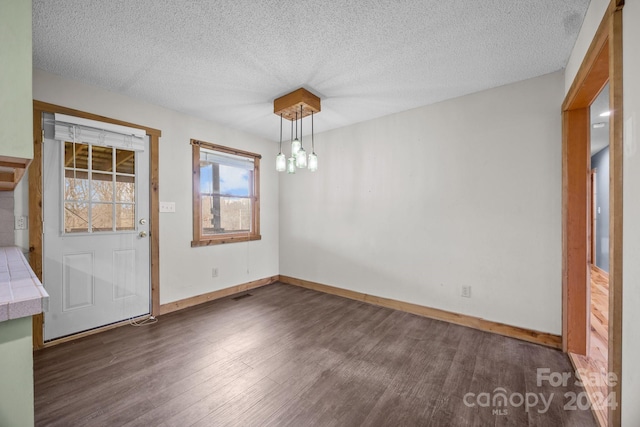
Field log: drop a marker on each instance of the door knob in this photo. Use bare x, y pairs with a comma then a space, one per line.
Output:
143, 234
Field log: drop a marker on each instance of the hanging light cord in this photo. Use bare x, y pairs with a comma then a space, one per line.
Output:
280, 133
301, 127
313, 146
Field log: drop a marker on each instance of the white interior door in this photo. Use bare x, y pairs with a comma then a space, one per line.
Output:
95, 245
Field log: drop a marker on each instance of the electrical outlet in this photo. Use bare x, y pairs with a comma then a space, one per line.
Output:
214, 272
466, 291
21, 222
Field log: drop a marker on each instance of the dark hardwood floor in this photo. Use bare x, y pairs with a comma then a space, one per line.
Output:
293, 356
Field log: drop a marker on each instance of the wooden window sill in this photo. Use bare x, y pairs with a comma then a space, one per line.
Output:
223, 240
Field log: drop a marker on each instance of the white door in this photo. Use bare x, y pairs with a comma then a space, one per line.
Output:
95, 245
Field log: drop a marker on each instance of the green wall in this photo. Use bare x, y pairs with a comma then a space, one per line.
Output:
16, 123
16, 373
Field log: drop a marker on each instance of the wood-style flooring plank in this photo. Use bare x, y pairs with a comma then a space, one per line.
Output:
598, 351
289, 356
595, 364
178, 397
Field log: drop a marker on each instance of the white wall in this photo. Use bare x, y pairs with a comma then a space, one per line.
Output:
592, 20
184, 271
415, 205
631, 215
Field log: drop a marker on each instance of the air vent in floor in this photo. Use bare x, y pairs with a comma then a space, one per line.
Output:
239, 297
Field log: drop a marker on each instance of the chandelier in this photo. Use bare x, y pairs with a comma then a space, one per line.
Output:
295, 106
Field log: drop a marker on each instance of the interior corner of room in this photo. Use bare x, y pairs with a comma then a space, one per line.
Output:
499, 209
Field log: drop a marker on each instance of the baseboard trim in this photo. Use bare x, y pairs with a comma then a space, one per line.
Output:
543, 338
210, 296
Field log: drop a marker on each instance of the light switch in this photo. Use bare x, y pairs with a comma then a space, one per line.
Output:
167, 206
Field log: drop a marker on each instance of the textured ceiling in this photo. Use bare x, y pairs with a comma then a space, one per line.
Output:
227, 60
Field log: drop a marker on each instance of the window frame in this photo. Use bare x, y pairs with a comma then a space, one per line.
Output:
200, 239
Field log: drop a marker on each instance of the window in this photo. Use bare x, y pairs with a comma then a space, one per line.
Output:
226, 194
99, 189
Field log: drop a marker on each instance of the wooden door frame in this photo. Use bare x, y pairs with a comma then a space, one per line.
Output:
35, 204
602, 63
592, 219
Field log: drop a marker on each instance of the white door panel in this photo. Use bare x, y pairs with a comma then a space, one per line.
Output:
95, 245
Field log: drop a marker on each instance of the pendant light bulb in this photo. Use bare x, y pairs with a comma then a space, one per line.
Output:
313, 162
291, 165
295, 144
313, 158
301, 159
281, 160
301, 155
295, 147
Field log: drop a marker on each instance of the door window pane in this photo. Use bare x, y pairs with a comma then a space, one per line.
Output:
76, 155
101, 217
125, 189
101, 158
125, 216
76, 217
102, 187
76, 188
125, 161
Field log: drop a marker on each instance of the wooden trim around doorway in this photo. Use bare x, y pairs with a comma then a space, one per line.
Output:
602, 63
615, 207
35, 204
575, 207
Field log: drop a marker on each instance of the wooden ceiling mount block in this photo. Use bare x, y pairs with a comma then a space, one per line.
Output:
289, 104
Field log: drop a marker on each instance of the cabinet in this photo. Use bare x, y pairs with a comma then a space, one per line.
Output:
16, 104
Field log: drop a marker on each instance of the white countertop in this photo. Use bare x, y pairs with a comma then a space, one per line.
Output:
21, 293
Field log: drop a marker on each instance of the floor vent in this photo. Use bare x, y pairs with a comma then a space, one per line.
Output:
239, 297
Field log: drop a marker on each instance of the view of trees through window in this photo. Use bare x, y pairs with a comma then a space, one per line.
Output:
225, 198
99, 188
226, 194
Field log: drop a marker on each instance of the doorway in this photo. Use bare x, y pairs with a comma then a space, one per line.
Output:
602, 64
85, 276
594, 362
96, 214
599, 262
